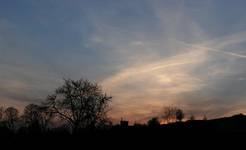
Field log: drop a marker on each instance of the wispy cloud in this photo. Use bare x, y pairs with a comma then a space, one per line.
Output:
145, 54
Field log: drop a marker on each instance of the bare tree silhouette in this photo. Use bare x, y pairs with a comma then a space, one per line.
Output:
179, 115
169, 114
192, 117
37, 117
11, 117
1, 113
2, 116
172, 114
204, 117
81, 103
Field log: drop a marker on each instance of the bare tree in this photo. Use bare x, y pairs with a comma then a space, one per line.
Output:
205, 117
37, 117
11, 117
1, 113
169, 114
172, 114
81, 103
179, 115
192, 117
1, 116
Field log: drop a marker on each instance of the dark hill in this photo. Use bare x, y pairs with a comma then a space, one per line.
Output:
233, 124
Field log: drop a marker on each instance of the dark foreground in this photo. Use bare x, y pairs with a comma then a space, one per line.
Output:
222, 131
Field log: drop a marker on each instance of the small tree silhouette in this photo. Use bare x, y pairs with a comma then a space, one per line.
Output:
153, 122
11, 117
37, 117
192, 117
179, 115
172, 114
1, 114
205, 117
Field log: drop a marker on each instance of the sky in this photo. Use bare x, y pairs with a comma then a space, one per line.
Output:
146, 54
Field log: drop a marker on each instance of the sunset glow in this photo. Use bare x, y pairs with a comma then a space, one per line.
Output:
146, 55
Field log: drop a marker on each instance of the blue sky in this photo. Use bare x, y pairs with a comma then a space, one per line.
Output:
145, 53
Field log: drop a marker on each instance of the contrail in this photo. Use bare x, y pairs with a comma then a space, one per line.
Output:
161, 66
214, 50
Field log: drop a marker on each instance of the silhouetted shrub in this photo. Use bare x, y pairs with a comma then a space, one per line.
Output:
153, 122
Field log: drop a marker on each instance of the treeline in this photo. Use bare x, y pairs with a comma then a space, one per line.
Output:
75, 106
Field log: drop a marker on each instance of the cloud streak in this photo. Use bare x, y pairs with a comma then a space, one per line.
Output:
145, 54
213, 50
